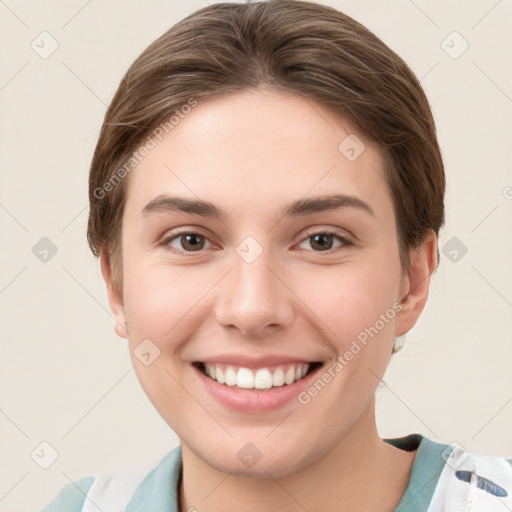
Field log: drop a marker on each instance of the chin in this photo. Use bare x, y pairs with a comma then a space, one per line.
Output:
246, 460
276, 467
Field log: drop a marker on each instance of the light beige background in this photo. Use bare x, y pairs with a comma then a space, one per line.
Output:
67, 379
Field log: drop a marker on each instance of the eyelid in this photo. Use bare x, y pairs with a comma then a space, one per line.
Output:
345, 235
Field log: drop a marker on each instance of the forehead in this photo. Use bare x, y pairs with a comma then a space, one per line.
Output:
251, 149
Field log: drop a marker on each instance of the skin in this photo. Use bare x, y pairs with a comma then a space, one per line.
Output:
251, 153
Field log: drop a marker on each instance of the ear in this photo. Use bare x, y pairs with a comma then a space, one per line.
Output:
415, 285
114, 297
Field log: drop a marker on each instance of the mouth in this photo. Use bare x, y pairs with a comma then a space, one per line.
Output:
261, 379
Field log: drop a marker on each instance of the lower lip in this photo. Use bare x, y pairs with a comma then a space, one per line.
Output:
255, 400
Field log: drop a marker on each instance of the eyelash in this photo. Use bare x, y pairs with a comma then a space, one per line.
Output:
345, 241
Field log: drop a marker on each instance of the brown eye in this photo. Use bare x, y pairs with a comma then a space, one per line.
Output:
323, 241
193, 241
186, 242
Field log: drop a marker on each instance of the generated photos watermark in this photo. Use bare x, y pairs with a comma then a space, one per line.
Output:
143, 150
335, 369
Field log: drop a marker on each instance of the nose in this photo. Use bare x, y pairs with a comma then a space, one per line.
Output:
255, 298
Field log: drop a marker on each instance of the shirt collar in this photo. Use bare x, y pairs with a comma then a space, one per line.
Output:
160, 487
428, 463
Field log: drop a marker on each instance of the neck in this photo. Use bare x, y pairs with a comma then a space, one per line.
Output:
360, 472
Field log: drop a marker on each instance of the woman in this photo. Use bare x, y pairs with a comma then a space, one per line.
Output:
266, 197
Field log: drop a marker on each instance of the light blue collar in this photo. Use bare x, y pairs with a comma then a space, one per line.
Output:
159, 491
426, 470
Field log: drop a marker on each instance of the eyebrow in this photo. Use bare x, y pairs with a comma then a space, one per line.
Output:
165, 203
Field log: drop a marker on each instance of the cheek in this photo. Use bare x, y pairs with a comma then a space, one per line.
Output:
156, 294
352, 299
160, 299
162, 304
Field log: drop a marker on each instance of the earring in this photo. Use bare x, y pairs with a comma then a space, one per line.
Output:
398, 344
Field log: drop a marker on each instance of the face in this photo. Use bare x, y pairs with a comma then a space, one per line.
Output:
264, 286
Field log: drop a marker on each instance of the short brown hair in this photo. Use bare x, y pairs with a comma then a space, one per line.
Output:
288, 46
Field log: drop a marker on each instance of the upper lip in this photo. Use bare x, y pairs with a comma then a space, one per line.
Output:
244, 361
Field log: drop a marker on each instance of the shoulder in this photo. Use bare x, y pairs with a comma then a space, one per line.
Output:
481, 482
448, 478
71, 497
120, 487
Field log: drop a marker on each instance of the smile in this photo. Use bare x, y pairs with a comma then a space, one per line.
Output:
264, 378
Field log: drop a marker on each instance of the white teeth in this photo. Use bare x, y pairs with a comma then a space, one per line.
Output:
230, 376
219, 375
289, 376
263, 378
278, 377
244, 378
